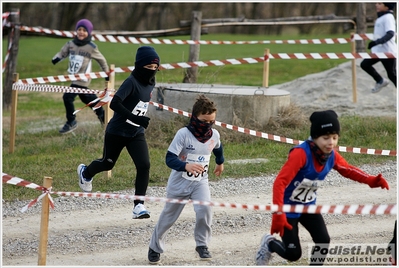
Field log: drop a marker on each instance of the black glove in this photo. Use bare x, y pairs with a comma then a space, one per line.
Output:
140, 120
107, 78
55, 60
372, 44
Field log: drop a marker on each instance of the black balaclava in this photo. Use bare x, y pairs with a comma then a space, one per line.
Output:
145, 55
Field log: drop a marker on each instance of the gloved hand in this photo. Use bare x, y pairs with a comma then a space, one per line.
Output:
378, 181
55, 60
279, 222
140, 120
371, 44
106, 78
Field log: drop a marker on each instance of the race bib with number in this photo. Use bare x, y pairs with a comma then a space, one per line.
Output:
198, 159
305, 191
75, 63
140, 110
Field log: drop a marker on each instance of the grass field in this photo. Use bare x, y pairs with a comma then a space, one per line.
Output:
44, 152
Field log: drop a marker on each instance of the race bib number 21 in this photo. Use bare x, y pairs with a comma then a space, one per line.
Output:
305, 191
140, 110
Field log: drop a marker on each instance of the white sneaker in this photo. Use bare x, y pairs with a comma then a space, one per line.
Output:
139, 212
264, 255
378, 86
83, 184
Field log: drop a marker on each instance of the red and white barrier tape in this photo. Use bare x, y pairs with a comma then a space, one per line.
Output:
133, 40
20, 182
170, 66
380, 209
105, 97
279, 138
53, 88
49, 88
6, 22
334, 56
313, 209
358, 37
62, 78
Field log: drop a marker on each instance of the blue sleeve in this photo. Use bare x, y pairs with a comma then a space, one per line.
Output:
219, 155
385, 38
173, 162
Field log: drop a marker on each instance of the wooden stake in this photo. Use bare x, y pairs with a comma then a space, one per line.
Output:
13, 125
266, 69
107, 110
354, 82
44, 224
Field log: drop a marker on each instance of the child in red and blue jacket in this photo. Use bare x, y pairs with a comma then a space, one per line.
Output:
296, 184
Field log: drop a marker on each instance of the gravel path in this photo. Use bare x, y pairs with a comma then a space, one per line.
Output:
97, 232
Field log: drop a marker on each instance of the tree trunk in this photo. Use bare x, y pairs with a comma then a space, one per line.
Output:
361, 24
191, 73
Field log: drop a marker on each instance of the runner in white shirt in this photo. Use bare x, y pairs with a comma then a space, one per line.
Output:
384, 41
189, 158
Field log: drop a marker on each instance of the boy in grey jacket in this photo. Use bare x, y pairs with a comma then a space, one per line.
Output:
80, 51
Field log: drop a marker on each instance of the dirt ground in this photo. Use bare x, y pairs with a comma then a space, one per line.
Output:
235, 246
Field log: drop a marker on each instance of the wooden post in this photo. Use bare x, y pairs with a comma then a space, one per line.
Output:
354, 82
266, 68
11, 64
110, 85
196, 21
107, 111
13, 125
44, 224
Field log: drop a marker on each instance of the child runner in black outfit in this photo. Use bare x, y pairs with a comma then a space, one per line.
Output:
126, 128
80, 51
305, 169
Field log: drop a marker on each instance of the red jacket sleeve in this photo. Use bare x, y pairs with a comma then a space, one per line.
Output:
296, 160
349, 171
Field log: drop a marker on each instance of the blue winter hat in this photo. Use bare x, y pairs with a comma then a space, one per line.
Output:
146, 55
85, 23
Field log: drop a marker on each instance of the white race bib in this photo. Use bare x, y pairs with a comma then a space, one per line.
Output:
140, 110
305, 191
198, 159
75, 63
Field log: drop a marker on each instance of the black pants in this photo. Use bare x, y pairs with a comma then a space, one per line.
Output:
392, 244
69, 98
290, 248
138, 151
389, 65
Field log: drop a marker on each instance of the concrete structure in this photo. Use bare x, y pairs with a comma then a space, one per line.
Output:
237, 105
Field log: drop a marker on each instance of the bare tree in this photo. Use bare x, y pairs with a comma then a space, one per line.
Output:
141, 16
361, 24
